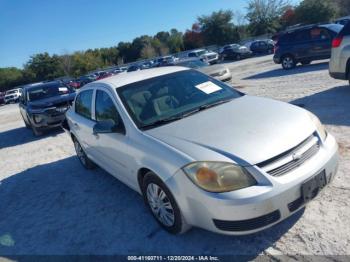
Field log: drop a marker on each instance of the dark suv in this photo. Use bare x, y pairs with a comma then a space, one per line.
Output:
43, 105
304, 44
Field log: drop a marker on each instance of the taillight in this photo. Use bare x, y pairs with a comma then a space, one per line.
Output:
337, 41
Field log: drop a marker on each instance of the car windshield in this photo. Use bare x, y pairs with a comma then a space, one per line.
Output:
234, 46
192, 64
47, 90
166, 98
199, 53
11, 92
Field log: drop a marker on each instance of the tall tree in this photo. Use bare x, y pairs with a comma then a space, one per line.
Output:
218, 28
148, 51
9, 77
193, 38
175, 41
342, 7
44, 66
263, 15
315, 11
66, 61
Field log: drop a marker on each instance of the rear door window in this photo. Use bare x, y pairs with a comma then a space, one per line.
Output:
320, 34
302, 36
83, 104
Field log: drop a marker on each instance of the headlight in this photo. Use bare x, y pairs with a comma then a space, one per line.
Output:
319, 127
37, 118
218, 176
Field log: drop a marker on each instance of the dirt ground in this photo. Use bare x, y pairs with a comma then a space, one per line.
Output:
49, 204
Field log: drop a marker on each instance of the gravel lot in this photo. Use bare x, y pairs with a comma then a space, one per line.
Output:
49, 204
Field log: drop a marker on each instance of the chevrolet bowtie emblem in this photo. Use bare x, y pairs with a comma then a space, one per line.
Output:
296, 156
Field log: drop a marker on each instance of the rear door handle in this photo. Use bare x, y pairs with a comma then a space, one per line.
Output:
76, 125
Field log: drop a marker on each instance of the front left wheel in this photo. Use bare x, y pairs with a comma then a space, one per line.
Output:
163, 205
83, 158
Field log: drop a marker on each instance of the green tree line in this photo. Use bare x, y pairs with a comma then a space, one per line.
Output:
219, 28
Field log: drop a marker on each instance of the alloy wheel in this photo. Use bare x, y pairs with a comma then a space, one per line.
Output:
160, 205
80, 152
288, 62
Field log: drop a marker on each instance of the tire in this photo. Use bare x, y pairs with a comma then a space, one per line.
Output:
157, 197
36, 131
288, 62
83, 158
305, 62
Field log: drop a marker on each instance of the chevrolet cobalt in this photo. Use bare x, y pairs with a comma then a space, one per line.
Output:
201, 153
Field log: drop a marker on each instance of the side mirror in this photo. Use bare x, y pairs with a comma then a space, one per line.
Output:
107, 126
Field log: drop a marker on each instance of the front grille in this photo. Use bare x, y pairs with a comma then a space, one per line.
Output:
58, 109
248, 224
293, 158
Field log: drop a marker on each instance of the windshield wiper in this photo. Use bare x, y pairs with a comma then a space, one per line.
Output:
203, 107
162, 121
178, 117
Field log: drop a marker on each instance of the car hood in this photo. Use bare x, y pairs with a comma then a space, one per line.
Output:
211, 69
52, 101
247, 130
209, 54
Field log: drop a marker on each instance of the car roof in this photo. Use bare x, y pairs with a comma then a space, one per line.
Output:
304, 27
136, 76
29, 86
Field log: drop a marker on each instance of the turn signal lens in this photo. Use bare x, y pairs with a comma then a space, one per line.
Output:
205, 175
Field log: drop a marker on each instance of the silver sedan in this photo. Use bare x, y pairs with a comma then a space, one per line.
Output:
201, 153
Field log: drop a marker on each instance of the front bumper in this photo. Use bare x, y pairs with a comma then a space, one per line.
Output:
254, 208
11, 99
47, 121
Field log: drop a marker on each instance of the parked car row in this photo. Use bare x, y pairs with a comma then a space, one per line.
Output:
227, 52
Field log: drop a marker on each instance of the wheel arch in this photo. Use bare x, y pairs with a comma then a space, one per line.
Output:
141, 173
288, 54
